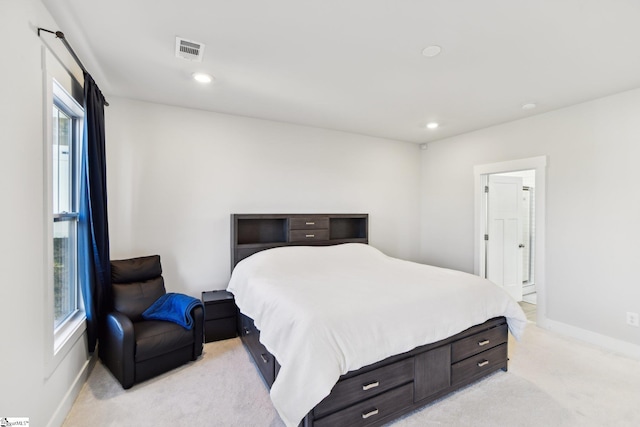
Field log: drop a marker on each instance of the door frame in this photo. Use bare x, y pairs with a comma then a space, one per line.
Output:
480, 174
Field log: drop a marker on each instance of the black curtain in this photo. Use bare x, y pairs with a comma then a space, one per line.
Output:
96, 283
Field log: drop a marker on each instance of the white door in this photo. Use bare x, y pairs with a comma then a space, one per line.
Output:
504, 224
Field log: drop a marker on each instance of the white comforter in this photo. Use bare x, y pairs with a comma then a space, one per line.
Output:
324, 311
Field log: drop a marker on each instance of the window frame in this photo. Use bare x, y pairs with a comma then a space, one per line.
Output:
65, 103
68, 106
61, 337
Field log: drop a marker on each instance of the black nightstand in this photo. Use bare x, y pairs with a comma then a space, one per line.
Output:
220, 315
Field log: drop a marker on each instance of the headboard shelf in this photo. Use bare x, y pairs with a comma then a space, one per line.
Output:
251, 233
348, 228
262, 230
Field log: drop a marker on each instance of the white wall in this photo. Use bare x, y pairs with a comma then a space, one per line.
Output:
175, 175
26, 389
592, 207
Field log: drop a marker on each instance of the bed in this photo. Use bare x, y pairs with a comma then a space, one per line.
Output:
345, 335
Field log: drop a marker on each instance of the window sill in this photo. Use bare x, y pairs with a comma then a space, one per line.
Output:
65, 338
69, 331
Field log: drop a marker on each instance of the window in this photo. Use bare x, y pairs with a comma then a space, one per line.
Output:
66, 136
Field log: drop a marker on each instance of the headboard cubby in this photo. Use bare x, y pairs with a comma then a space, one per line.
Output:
251, 233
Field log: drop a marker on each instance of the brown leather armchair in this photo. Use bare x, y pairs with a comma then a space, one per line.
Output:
135, 349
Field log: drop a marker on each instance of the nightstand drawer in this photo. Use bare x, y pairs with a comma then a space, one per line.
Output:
308, 235
218, 304
219, 310
220, 329
478, 343
308, 223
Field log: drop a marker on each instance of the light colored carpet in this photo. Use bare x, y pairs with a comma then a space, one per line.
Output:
552, 381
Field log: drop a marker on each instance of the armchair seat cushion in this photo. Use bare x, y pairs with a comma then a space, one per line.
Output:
156, 337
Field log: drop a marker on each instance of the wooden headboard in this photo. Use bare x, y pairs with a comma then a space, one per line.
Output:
251, 233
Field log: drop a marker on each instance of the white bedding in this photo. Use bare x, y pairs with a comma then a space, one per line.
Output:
324, 311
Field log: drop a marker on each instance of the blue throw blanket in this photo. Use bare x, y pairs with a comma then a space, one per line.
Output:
173, 307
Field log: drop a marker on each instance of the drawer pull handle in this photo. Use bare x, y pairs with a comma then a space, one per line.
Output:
371, 413
310, 236
309, 223
483, 342
369, 386
264, 358
483, 363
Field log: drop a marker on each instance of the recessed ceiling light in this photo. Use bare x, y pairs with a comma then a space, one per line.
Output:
431, 51
529, 106
432, 125
202, 77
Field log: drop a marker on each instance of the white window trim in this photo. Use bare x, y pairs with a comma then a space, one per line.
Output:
58, 341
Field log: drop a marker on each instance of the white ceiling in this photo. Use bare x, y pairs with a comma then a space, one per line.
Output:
356, 65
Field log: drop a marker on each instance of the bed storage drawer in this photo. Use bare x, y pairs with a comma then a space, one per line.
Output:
479, 364
265, 362
365, 385
478, 343
262, 358
310, 223
370, 410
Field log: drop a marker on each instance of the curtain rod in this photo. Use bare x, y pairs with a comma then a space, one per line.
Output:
60, 35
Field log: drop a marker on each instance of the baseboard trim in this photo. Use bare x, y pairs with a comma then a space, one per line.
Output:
67, 402
611, 344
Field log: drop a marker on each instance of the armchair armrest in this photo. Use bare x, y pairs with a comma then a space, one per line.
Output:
198, 329
117, 344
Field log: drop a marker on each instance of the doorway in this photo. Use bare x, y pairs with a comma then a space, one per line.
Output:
510, 225
522, 186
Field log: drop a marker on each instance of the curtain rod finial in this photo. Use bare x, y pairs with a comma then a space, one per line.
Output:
60, 34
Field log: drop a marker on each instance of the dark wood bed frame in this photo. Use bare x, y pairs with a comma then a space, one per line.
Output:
381, 392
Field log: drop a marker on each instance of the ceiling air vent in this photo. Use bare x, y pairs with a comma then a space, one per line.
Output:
189, 50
